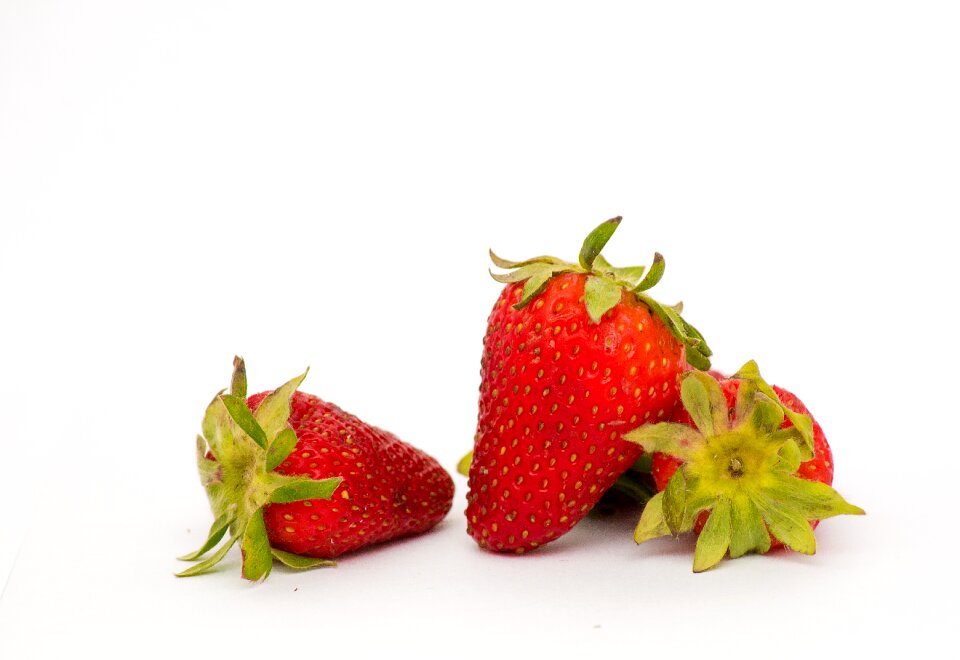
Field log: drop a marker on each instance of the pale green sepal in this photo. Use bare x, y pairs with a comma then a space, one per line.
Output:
238, 383
535, 284
463, 466
274, 410
790, 456
674, 501
243, 418
294, 489
751, 372
704, 400
766, 416
255, 547
300, 562
209, 563
500, 262
522, 273
714, 539
670, 438
812, 499
697, 360
596, 240
654, 275
628, 275
600, 296
217, 428
746, 399
651, 524
217, 530
280, 448
747, 531
793, 530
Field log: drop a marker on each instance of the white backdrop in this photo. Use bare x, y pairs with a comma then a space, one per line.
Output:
317, 184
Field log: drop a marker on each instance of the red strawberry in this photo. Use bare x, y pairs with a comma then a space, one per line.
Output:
295, 478
574, 355
744, 464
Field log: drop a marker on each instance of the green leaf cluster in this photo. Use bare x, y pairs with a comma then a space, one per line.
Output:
742, 471
246, 447
605, 286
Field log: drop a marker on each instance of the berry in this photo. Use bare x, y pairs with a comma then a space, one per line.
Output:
574, 356
294, 478
743, 464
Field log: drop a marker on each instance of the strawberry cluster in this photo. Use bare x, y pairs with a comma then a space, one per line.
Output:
589, 386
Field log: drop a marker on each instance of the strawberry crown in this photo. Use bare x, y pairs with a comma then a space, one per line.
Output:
742, 469
605, 286
246, 447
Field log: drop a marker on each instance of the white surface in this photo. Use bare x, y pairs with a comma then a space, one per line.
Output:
310, 185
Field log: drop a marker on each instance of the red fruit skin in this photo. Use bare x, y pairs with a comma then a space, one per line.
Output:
557, 392
389, 489
819, 468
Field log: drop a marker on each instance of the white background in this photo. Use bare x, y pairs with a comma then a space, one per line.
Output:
318, 183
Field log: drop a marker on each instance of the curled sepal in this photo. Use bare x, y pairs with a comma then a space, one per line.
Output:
274, 410
628, 275
299, 562
500, 262
714, 539
596, 241
217, 530
654, 275
207, 564
535, 284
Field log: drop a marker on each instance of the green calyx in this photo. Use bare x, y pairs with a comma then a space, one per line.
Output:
742, 470
239, 479
605, 286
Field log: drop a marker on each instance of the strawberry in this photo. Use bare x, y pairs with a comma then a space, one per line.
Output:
743, 464
294, 478
574, 355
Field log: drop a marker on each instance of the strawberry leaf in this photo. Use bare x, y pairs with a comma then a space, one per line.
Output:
652, 523
793, 530
294, 489
596, 240
500, 262
274, 410
629, 275
714, 539
300, 562
238, 383
674, 501
704, 401
255, 547
217, 530
747, 531
280, 448
654, 275
207, 564
600, 296
666, 437
537, 280
241, 414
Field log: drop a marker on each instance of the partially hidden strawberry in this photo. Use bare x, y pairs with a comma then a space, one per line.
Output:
743, 464
574, 356
294, 478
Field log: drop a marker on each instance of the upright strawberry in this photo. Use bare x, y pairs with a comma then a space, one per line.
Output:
574, 356
294, 478
744, 464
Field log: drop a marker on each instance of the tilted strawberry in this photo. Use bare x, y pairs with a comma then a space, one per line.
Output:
744, 464
294, 478
574, 356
